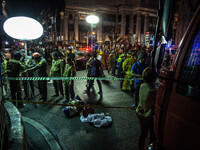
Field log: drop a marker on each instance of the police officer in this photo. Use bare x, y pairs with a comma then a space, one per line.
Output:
3, 68
41, 71
57, 71
28, 62
111, 62
89, 69
69, 71
14, 67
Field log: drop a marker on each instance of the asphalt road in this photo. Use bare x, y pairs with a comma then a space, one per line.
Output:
72, 134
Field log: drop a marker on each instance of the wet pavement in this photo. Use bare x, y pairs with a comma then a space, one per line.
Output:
72, 134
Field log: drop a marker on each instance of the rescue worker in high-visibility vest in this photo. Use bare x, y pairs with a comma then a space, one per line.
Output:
57, 71
120, 71
14, 68
88, 68
127, 65
41, 71
120, 60
111, 62
30, 62
103, 59
69, 71
3, 69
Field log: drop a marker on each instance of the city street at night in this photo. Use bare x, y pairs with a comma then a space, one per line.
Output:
72, 134
99, 74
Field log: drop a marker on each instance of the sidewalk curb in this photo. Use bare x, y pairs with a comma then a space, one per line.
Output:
16, 137
53, 144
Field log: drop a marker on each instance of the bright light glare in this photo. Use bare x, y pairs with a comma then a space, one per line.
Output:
23, 28
92, 19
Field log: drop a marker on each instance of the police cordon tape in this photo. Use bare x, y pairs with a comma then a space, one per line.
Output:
86, 105
68, 78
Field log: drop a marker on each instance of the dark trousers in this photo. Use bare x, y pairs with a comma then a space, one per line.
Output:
16, 92
110, 68
69, 89
88, 75
136, 92
27, 85
42, 86
91, 84
58, 86
146, 125
114, 68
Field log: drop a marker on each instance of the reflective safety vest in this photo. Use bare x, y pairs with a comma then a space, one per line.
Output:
119, 60
127, 65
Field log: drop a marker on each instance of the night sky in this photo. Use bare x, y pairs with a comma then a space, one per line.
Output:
31, 8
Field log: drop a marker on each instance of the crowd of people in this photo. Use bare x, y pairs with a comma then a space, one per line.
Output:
130, 64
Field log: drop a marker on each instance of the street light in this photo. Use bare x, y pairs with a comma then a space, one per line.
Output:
92, 19
23, 28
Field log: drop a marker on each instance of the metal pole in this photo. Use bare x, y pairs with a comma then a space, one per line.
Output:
91, 37
87, 39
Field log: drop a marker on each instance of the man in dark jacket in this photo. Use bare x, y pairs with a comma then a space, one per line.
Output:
96, 71
14, 68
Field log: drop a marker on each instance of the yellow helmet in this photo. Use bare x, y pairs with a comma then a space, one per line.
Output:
66, 52
101, 52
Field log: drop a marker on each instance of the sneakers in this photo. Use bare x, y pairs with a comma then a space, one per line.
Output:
134, 105
61, 97
55, 95
20, 106
86, 91
65, 101
100, 93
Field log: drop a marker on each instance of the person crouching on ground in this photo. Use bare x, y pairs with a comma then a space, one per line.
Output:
145, 108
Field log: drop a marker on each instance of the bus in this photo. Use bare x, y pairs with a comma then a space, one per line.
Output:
177, 109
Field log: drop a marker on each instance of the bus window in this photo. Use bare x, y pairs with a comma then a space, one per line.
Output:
190, 71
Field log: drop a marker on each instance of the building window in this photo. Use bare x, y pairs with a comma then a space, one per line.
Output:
152, 24
189, 77
84, 28
71, 27
70, 16
127, 24
119, 18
